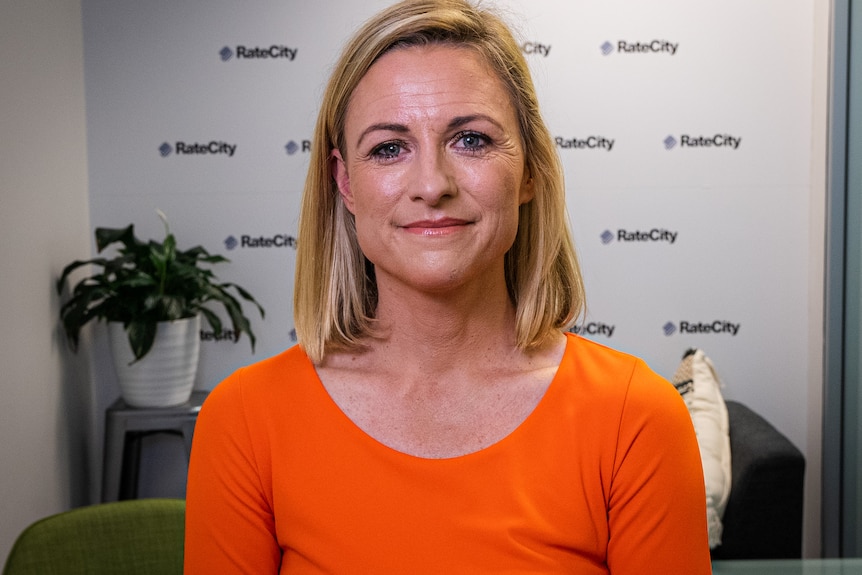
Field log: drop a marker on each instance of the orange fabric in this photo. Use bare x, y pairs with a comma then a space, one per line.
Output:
603, 477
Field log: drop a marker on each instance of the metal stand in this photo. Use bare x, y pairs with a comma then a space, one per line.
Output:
125, 427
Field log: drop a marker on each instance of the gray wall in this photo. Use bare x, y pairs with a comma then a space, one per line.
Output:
45, 418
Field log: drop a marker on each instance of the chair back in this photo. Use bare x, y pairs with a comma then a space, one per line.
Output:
133, 537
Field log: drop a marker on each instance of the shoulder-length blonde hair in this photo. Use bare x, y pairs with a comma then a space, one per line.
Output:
335, 292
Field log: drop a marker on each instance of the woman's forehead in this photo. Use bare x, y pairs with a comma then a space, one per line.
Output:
420, 79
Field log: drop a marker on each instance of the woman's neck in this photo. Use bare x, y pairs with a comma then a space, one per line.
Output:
439, 330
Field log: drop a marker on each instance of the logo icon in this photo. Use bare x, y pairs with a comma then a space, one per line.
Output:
292, 148
165, 150
226, 54
669, 143
607, 237
606, 48
669, 328
231, 243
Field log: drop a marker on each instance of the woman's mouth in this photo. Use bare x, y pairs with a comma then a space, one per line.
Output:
436, 227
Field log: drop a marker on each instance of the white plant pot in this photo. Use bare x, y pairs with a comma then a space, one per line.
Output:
165, 376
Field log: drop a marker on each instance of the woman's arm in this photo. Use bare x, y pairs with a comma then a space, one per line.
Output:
230, 526
657, 501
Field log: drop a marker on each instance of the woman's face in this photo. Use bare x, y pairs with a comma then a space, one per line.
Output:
433, 168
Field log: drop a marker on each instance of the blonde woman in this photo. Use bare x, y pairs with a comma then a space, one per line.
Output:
436, 417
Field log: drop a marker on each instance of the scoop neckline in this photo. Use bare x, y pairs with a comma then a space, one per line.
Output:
522, 427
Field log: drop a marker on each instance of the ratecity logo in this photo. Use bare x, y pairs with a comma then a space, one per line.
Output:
212, 148
588, 143
653, 235
273, 52
536, 49
292, 147
726, 141
717, 327
650, 47
246, 241
226, 335
594, 328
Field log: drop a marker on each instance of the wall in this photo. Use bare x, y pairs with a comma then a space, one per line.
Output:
44, 415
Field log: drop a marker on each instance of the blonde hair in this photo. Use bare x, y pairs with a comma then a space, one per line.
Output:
335, 291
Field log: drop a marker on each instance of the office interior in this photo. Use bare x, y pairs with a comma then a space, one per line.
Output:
51, 411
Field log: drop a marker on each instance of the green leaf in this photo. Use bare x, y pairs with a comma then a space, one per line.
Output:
212, 319
246, 296
142, 333
108, 236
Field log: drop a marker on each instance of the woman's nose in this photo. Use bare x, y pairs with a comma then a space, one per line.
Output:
432, 177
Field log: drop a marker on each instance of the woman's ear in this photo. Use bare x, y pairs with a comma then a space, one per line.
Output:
342, 179
528, 189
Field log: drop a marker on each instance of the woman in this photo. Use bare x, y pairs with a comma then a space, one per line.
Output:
435, 417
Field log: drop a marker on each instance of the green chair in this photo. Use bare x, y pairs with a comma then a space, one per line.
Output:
133, 537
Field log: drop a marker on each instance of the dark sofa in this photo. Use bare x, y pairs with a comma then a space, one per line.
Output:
763, 517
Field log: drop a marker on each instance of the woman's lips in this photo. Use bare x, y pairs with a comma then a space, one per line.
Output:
438, 227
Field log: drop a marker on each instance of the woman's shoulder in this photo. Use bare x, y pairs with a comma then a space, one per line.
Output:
601, 371
611, 387
293, 357
265, 380
590, 358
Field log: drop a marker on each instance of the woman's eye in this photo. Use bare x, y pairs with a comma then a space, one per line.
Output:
471, 141
387, 151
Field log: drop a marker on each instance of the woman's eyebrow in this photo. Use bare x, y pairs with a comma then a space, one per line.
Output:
459, 121
385, 127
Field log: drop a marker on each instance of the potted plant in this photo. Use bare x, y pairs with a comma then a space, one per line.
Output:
152, 296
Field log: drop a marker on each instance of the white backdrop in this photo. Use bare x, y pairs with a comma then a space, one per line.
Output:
682, 245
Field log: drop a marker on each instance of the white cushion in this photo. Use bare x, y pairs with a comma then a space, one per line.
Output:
700, 387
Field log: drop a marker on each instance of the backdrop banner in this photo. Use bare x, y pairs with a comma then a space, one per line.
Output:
685, 129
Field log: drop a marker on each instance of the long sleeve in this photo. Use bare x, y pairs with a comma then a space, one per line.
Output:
230, 526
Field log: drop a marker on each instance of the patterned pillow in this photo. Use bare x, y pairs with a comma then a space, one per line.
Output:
699, 385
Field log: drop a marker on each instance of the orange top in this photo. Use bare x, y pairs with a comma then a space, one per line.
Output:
603, 477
